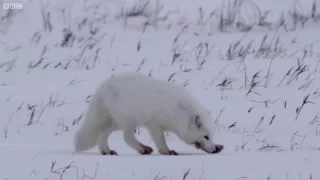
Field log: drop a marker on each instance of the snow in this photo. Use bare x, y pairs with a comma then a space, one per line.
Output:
268, 133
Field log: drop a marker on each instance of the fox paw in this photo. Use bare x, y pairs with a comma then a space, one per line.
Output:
146, 150
170, 152
111, 152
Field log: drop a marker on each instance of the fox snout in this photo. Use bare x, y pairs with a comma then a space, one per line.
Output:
211, 150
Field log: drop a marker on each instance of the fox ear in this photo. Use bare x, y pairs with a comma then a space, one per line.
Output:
197, 121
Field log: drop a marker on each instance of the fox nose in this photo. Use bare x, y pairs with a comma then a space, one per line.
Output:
218, 149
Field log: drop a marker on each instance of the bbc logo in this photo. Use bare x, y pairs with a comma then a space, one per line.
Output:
12, 5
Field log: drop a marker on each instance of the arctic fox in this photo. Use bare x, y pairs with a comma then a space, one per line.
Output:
129, 100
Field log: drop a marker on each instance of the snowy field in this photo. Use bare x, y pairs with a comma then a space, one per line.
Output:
254, 64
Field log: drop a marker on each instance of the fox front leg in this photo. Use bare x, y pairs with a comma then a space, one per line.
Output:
158, 137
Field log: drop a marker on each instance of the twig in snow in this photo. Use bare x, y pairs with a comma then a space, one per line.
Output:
304, 102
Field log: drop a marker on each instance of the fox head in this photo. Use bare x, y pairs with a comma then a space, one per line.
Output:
198, 129
200, 134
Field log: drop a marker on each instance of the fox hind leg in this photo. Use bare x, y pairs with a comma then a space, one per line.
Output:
103, 142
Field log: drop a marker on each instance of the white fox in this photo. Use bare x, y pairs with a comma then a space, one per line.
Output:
129, 100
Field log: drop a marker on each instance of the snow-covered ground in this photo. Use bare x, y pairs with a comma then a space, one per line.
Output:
253, 64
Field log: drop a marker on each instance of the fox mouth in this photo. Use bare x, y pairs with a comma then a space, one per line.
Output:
199, 146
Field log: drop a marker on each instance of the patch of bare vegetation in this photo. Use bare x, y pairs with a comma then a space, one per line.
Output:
245, 15
149, 13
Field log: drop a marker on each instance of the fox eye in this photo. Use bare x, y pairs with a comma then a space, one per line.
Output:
206, 137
